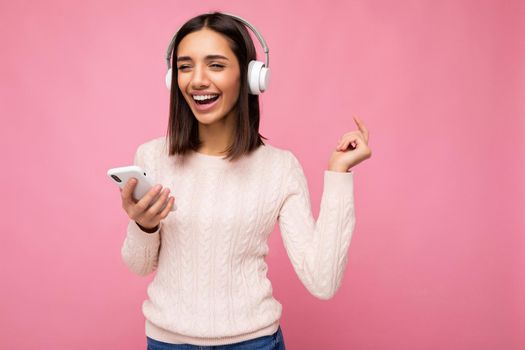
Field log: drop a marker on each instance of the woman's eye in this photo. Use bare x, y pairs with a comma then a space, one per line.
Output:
215, 65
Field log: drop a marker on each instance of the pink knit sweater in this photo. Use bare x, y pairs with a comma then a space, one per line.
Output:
210, 286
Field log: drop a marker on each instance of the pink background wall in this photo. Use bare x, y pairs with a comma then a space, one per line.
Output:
437, 258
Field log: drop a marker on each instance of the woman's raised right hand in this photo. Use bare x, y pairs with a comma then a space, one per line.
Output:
146, 216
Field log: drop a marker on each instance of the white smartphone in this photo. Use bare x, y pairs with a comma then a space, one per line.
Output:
121, 175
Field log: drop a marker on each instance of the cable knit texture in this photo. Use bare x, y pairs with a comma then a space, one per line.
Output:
210, 285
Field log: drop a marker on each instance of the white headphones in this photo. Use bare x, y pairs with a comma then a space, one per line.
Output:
258, 72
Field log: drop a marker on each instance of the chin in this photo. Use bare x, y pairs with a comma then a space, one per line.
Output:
204, 119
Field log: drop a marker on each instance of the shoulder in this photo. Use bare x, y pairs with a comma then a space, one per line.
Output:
155, 146
282, 156
275, 151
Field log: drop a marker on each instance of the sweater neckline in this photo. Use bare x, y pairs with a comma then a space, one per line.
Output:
220, 160
204, 155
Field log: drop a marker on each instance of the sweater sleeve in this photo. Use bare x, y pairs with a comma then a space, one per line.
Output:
317, 249
140, 249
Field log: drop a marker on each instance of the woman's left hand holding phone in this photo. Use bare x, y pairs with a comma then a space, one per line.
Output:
146, 214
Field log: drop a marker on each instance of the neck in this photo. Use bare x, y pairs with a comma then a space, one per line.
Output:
216, 137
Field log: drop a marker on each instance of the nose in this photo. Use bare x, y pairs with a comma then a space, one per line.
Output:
199, 78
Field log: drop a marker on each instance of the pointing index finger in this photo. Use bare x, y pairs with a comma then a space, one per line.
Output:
361, 127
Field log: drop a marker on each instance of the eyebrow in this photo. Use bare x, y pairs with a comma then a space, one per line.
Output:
209, 57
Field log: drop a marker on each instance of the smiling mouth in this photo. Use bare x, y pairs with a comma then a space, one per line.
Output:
206, 101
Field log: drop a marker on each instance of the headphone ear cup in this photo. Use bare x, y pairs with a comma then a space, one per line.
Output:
264, 79
168, 79
258, 77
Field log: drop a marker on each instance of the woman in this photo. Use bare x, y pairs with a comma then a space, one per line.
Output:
210, 288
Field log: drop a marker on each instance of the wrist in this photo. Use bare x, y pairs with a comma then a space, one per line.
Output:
146, 229
337, 168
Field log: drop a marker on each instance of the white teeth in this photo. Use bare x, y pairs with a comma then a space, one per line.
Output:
203, 97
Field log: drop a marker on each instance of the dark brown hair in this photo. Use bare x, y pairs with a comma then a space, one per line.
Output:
183, 128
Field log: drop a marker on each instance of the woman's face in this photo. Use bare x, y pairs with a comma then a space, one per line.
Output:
207, 67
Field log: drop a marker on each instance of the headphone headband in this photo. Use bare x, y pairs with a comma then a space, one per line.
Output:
254, 30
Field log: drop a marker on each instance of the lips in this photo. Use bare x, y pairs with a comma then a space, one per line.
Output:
206, 106
209, 100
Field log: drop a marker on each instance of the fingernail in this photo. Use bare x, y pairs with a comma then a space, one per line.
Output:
157, 187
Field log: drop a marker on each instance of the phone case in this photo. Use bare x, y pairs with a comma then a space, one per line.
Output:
121, 175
